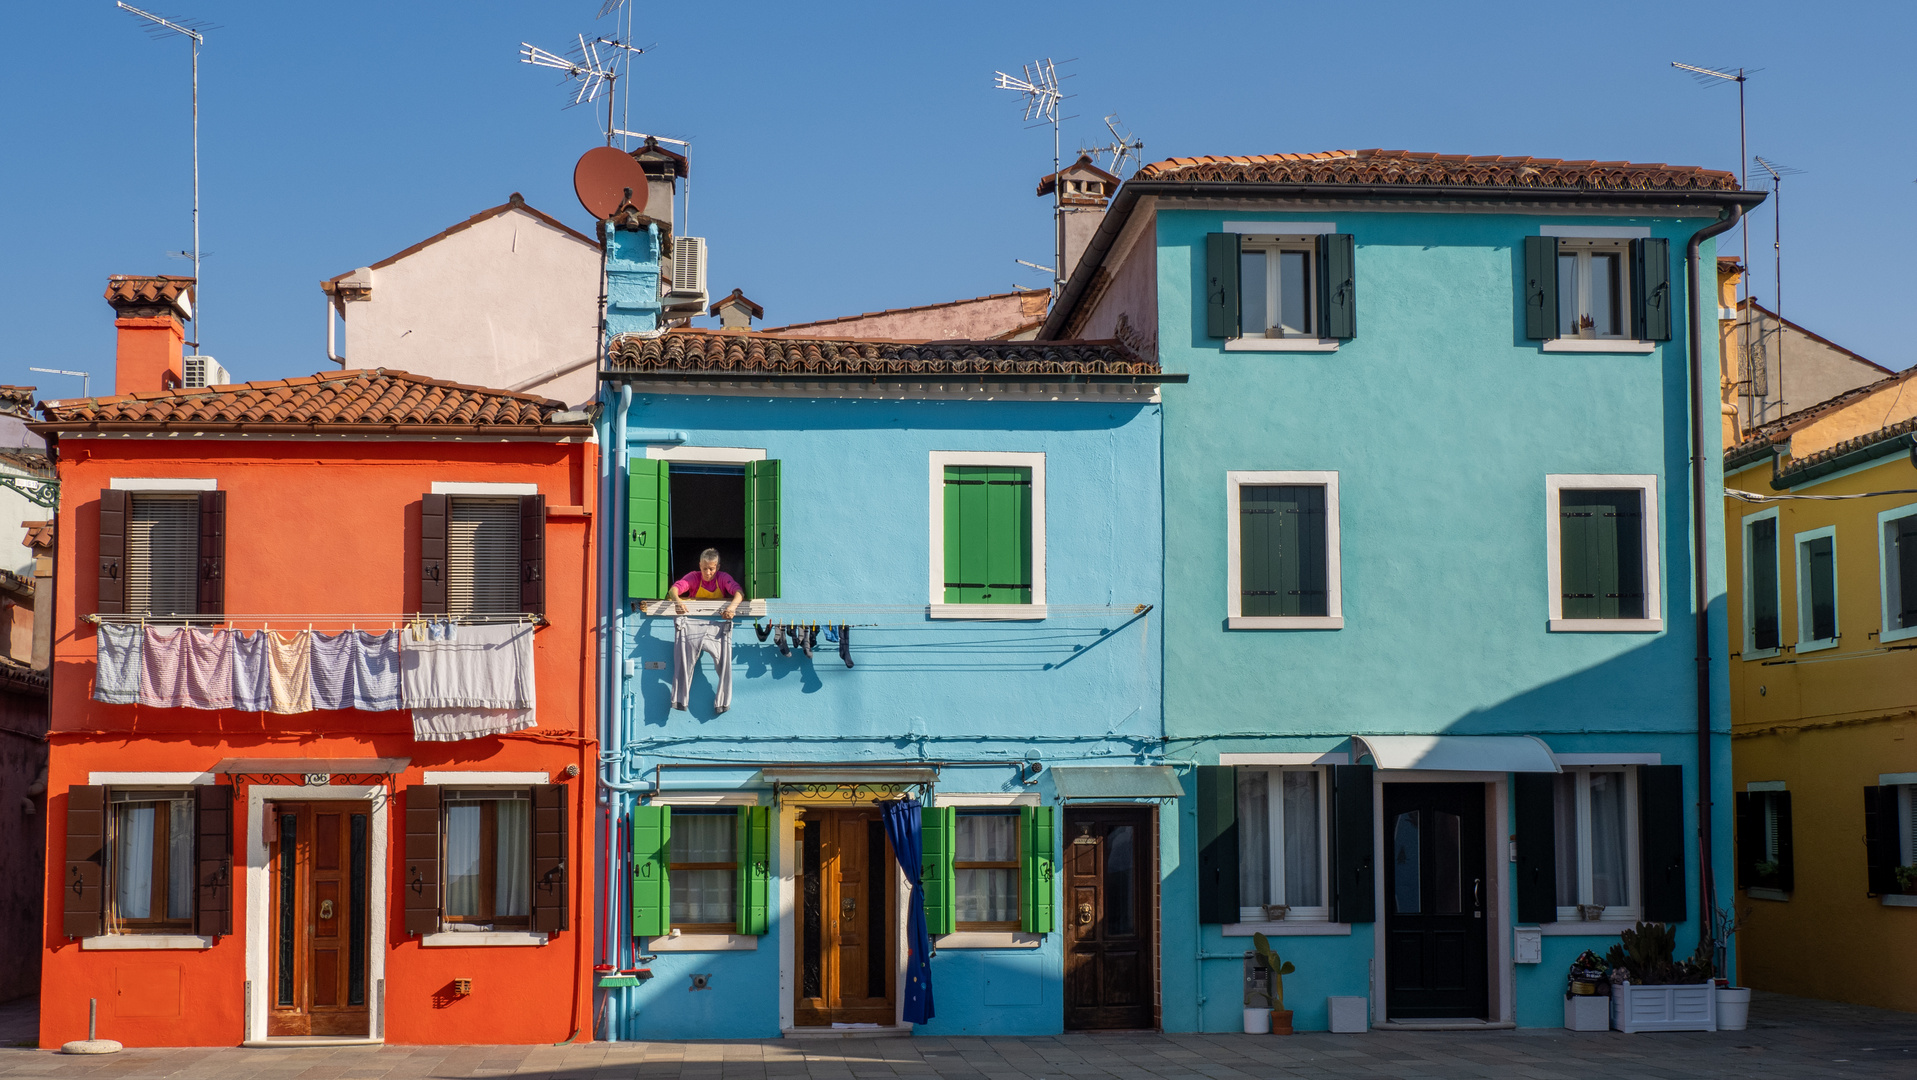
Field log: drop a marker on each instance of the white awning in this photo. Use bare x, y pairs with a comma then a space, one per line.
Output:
1457, 753
1117, 782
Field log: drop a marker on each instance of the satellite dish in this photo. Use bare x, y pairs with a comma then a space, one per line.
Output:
602, 178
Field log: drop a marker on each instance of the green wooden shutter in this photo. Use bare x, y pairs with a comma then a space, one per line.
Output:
1601, 553
1820, 574
938, 829
1762, 553
1750, 837
1217, 843
1282, 550
1651, 288
1337, 286
1534, 806
762, 541
1353, 877
651, 858
755, 861
1221, 285
1882, 847
648, 512
1786, 858
988, 534
1037, 869
1541, 287
1662, 841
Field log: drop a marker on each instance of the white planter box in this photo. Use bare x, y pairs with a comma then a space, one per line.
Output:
1588, 1012
1349, 1015
1691, 1007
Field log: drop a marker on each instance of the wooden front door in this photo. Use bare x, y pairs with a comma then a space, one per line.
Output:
1435, 886
847, 906
1108, 918
318, 868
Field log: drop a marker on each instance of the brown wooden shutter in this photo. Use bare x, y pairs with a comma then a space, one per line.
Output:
113, 515
551, 898
213, 850
85, 915
420, 886
532, 554
432, 555
212, 585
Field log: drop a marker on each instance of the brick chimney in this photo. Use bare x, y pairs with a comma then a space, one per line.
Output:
148, 313
1087, 191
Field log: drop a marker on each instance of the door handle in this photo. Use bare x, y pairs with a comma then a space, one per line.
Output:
1477, 897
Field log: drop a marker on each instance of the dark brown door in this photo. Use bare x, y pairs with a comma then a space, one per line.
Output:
1435, 882
1108, 918
846, 902
319, 865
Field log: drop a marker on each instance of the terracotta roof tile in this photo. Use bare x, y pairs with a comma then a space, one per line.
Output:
140, 296
39, 534
1021, 293
1407, 167
704, 351
371, 398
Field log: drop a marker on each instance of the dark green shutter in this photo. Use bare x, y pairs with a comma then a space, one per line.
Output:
1765, 616
762, 541
938, 829
1037, 869
651, 859
1283, 567
755, 861
1217, 844
1750, 838
1534, 806
1904, 605
1820, 572
1337, 286
1601, 553
648, 513
1662, 837
1780, 806
1651, 289
1221, 285
1353, 880
1541, 287
1883, 851
988, 534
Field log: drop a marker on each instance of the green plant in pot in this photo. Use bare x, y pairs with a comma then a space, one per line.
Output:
1279, 968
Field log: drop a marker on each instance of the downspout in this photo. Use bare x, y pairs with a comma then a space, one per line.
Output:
1706, 891
330, 341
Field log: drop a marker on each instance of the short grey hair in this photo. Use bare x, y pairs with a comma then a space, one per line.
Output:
709, 555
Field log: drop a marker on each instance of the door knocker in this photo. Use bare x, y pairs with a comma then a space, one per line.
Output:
1084, 914
326, 909
849, 906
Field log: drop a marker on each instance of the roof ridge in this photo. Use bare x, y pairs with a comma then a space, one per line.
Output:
901, 310
1415, 167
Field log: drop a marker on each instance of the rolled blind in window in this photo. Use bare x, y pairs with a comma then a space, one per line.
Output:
163, 555
482, 556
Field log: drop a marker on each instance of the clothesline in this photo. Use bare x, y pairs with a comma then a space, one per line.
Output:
826, 612
309, 620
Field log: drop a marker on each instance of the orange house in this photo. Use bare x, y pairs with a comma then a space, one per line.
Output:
322, 758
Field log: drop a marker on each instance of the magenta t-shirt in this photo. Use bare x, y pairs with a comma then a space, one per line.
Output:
721, 586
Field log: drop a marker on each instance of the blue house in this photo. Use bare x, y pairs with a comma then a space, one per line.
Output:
951, 557
1439, 597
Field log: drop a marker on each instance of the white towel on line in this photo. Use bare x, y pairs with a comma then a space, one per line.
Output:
480, 683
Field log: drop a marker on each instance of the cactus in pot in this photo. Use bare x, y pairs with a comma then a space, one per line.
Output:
1279, 968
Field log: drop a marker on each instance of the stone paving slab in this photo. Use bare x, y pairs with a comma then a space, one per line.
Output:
1789, 1039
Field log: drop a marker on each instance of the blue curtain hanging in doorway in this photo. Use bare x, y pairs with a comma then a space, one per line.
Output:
902, 828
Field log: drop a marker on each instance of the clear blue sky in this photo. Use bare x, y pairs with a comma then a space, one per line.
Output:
849, 157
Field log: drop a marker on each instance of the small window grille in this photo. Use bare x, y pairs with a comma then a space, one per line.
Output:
482, 556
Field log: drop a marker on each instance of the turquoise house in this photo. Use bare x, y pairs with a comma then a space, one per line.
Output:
951, 559
1438, 600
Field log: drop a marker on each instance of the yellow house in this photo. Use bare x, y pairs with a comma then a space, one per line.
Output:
1821, 528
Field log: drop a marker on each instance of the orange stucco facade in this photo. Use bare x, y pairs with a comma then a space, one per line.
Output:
323, 530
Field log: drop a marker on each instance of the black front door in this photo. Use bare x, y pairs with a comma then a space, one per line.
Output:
1435, 886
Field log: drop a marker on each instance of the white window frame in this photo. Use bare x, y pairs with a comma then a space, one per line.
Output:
935, 597
1582, 248
1274, 805
1646, 483
1750, 585
1586, 879
1271, 245
1886, 575
1806, 643
1235, 618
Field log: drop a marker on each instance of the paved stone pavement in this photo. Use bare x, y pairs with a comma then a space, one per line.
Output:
1788, 1038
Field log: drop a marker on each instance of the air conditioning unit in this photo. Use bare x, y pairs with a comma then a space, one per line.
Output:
204, 371
688, 285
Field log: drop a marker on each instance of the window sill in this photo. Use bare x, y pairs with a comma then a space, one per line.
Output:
1758, 892
1898, 900
1816, 646
1598, 345
1606, 626
110, 942
489, 938
987, 612
1287, 928
1297, 344
1889, 636
1285, 622
1579, 928
664, 608
988, 939
1760, 654
703, 943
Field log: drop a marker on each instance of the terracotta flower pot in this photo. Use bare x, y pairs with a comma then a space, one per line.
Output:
1281, 1021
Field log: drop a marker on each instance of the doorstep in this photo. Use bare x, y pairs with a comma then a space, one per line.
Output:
885, 1031
290, 1042
1462, 1024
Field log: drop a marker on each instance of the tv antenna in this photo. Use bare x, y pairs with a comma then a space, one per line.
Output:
1709, 78
593, 64
1039, 85
193, 30
1777, 173
86, 380
1124, 146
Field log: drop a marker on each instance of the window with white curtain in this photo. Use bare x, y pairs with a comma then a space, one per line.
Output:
489, 856
985, 866
704, 874
151, 860
1281, 843
1593, 287
1596, 819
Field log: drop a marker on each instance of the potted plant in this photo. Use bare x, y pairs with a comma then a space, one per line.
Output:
1906, 879
1587, 994
1733, 1002
1275, 998
1651, 991
1587, 328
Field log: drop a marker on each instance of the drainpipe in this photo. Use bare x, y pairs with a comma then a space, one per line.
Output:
330, 341
1707, 896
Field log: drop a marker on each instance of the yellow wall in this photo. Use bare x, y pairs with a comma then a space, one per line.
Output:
1827, 724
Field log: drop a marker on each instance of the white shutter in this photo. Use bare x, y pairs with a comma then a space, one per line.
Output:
482, 556
163, 554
